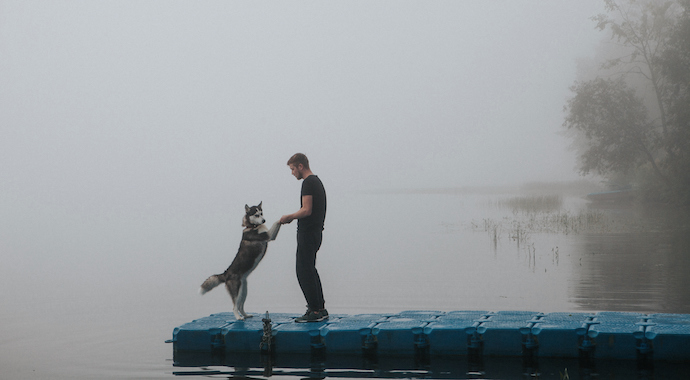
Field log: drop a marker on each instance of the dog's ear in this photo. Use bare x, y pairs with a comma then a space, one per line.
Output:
259, 206
246, 208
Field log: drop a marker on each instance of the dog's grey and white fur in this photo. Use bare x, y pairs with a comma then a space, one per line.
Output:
255, 238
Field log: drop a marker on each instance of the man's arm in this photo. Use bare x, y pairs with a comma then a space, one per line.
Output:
307, 203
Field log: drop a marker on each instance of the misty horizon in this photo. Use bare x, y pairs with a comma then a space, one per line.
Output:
147, 102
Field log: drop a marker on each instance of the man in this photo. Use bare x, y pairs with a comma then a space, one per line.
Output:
310, 218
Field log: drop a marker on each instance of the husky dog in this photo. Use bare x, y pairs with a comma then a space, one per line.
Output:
255, 238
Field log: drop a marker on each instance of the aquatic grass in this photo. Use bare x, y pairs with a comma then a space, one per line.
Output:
493, 228
521, 225
519, 231
528, 215
531, 203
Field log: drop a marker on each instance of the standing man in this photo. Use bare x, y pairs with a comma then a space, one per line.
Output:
310, 218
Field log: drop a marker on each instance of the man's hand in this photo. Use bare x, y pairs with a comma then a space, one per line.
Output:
303, 212
286, 219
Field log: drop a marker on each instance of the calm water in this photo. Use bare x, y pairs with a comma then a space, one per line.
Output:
96, 297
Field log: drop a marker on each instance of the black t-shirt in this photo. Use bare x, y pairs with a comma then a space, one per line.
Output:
312, 186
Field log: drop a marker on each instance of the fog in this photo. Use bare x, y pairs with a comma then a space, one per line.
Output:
161, 101
121, 119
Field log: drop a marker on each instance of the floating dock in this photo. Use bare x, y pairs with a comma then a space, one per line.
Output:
602, 335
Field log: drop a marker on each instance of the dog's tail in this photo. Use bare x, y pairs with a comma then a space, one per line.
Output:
211, 283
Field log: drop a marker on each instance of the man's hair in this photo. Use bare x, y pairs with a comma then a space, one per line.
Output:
299, 158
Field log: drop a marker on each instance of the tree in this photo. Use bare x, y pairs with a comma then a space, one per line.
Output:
623, 114
614, 121
675, 66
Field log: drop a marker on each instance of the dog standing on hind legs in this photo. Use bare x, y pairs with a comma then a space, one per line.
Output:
255, 238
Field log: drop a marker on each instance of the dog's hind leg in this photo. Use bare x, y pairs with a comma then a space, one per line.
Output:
243, 297
234, 285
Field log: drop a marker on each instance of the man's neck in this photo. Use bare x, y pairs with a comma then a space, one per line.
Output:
306, 173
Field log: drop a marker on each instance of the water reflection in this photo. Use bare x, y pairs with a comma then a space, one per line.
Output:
319, 366
613, 256
641, 267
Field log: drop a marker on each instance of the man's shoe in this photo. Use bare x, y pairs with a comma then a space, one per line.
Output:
313, 316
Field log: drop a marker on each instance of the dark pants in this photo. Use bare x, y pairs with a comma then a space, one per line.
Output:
308, 243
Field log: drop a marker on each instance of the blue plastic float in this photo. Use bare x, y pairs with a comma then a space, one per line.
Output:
607, 335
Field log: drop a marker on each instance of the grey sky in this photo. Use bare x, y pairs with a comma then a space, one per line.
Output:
138, 102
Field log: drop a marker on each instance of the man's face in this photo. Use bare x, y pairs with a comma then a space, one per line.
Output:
296, 171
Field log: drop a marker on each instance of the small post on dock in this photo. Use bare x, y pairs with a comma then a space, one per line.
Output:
267, 344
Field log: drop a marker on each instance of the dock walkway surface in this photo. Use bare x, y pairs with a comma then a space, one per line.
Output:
601, 335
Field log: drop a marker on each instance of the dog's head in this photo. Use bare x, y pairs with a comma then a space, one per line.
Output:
253, 216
